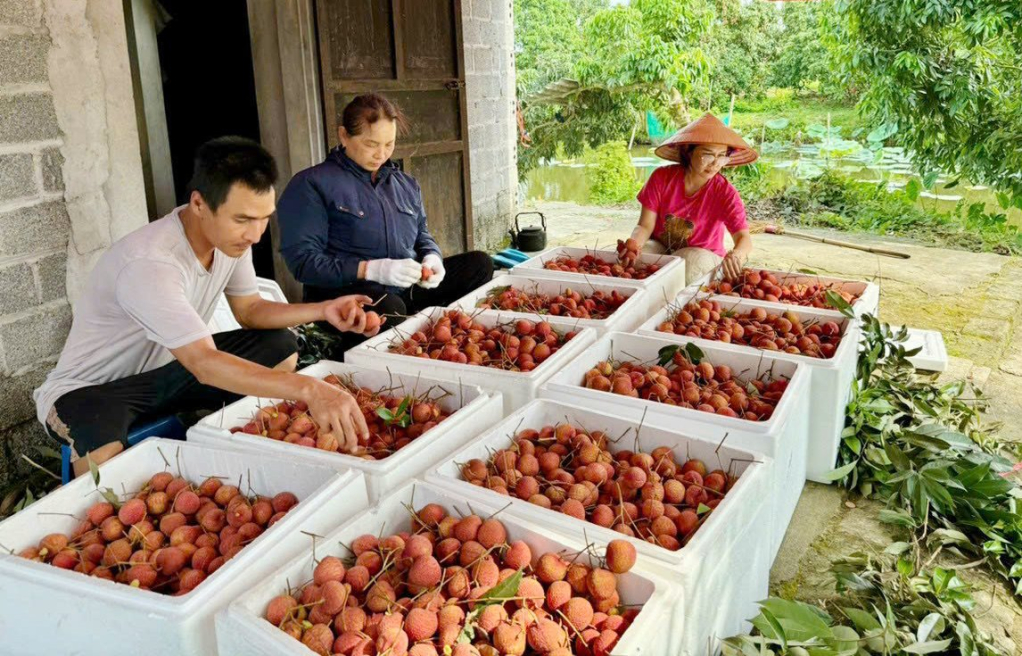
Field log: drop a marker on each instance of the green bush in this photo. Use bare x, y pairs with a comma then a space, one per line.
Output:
610, 174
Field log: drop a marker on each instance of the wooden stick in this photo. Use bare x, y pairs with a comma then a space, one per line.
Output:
780, 230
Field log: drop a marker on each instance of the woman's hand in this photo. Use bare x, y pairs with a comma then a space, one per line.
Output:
435, 264
394, 273
733, 264
346, 315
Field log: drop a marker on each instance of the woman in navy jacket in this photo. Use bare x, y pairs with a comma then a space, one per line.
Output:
356, 224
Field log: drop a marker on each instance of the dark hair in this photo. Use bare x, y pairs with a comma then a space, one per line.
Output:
221, 162
369, 108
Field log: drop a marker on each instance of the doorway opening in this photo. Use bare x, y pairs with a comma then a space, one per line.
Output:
196, 81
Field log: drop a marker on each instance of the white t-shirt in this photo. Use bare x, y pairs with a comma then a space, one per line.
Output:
147, 294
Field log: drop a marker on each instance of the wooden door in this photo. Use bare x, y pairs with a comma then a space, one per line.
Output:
412, 52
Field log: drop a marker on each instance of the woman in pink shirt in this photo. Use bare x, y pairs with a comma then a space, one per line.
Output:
687, 206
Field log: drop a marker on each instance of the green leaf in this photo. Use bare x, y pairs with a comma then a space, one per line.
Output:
927, 626
385, 414
839, 473
506, 589
927, 647
695, 354
800, 621
863, 620
913, 189
837, 302
703, 509
930, 179
897, 548
405, 403
1003, 200
667, 354
777, 124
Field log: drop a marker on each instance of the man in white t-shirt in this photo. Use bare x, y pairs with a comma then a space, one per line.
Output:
140, 346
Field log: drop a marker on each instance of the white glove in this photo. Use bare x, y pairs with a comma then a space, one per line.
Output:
394, 273
436, 265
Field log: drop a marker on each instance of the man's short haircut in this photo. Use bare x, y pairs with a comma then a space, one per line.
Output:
221, 162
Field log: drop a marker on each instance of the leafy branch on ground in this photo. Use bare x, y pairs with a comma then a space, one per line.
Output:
885, 606
920, 447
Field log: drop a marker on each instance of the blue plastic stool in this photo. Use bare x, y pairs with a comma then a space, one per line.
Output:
170, 427
509, 258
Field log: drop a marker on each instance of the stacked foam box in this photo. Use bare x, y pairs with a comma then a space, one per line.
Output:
783, 437
47, 610
472, 411
243, 631
626, 318
663, 285
721, 572
830, 380
517, 387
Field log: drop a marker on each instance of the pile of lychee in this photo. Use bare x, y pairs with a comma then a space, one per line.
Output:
458, 337
625, 267
393, 421
567, 468
168, 537
764, 286
690, 385
458, 586
771, 331
567, 303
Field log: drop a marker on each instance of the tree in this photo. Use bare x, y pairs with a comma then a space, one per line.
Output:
548, 39
741, 47
946, 74
802, 57
643, 56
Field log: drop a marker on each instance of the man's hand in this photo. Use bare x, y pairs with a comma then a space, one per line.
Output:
346, 315
435, 264
732, 265
337, 412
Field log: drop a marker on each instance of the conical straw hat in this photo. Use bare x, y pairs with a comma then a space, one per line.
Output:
708, 130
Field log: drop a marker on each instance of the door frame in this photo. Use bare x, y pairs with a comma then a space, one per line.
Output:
285, 58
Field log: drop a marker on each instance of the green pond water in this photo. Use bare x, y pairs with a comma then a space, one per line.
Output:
566, 180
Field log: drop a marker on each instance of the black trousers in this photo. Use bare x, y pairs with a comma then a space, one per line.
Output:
465, 273
89, 417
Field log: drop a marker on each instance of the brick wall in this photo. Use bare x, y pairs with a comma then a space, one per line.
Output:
488, 31
34, 225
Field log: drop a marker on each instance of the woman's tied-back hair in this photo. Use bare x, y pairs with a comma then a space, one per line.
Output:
221, 162
369, 108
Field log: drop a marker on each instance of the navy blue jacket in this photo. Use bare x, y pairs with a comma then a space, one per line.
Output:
333, 216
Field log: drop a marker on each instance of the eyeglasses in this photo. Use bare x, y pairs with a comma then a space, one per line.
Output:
709, 158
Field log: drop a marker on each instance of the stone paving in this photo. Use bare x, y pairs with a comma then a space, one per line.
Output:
974, 299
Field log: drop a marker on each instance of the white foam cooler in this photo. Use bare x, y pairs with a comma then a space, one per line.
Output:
517, 387
625, 319
830, 380
782, 437
47, 610
661, 286
725, 554
868, 301
243, 631
473, 411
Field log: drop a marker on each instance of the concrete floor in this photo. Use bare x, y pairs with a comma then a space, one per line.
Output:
974, 299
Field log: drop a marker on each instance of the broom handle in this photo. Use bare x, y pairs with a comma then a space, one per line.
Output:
845, 244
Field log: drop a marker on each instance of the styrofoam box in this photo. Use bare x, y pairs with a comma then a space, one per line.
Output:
830, 380
517, 387
46, 610
867, 303
662, 285
242, 630
223, 318
731, 535
782, 437
473, 411
625, 319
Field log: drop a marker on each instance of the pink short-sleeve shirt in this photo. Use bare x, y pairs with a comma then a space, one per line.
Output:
706, 214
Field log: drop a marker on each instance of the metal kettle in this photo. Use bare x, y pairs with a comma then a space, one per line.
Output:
529, 238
